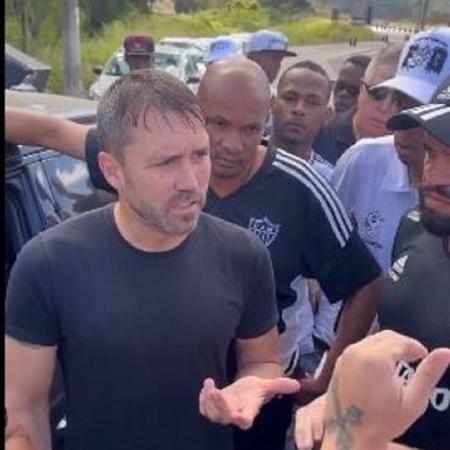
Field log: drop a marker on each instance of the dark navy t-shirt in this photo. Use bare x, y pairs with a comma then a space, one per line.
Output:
417, 303
138, 332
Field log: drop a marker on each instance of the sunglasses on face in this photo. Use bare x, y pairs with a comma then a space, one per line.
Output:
377, 93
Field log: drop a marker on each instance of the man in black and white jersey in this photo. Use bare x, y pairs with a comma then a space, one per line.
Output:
280, 198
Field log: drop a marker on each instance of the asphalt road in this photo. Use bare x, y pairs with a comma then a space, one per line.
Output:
331, 56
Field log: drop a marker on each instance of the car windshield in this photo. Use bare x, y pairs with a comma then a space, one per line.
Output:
117, 66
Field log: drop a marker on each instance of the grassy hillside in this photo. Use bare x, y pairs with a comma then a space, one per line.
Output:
96, 50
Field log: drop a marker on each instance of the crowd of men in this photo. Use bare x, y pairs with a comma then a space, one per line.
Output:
258, 234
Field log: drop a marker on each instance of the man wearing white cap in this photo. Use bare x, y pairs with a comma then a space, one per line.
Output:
221, 49
377, 178
267, 49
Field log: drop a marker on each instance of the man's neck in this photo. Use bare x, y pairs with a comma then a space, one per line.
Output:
302, 150
415, 174
224, 187
139, 235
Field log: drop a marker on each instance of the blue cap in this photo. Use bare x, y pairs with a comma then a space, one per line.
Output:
266, 40
222, 48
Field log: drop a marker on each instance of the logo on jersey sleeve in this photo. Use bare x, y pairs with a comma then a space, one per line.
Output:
397, 268
264, 229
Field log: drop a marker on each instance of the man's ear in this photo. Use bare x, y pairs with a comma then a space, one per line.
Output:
111, 169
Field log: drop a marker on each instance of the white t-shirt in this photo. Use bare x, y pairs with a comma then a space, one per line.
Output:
375, 188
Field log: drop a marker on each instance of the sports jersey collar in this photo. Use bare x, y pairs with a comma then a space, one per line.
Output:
397, 177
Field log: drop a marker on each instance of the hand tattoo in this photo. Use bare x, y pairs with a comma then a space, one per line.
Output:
341, 423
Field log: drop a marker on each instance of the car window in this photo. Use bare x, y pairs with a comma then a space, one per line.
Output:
167, 61
116, 67
71, 186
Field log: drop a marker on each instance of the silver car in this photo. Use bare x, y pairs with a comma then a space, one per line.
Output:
185, 64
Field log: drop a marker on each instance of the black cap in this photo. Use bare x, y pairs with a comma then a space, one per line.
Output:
434, 117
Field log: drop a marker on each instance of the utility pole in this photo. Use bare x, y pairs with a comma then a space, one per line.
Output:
423, 16
72, 60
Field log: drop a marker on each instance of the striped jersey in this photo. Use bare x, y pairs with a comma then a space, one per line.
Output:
297, 215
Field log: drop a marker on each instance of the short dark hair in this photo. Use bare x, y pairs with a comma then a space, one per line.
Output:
359, 60
137, 94
309, 65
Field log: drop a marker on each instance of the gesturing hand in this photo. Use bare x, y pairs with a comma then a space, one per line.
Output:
239, 403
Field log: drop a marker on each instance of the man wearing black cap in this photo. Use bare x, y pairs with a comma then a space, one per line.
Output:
139, 50
416, 301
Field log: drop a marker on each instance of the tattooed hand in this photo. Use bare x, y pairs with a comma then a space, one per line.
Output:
367, 404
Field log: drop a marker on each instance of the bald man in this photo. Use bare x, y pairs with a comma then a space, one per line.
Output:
278, 197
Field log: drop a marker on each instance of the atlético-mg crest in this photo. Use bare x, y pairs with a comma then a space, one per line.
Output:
264, 229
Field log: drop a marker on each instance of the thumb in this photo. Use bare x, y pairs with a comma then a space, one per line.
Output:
428, 374
282, 386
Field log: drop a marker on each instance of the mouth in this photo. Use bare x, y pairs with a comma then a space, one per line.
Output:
295, 126
226, 162
434, 200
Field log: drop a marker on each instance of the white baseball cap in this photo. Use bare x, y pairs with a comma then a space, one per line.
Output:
222, 48
266, 40
424, 64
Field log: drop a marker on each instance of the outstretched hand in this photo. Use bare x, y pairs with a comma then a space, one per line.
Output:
239, 403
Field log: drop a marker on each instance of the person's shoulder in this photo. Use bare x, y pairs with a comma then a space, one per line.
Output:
226, 236
77, 230
296, 170
409, 229
370, 152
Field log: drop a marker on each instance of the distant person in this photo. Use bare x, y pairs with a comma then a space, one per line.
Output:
268, 49
139, 51
373, 108
348, 83
222, 48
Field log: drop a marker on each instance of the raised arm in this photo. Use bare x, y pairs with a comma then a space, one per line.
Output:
29, 374
27, 127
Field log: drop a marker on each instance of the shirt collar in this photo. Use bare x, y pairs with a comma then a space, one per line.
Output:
397, 176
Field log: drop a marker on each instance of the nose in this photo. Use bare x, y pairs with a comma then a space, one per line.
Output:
186, 178
232, 142
299, 108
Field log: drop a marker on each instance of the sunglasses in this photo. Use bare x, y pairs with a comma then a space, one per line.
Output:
377, 93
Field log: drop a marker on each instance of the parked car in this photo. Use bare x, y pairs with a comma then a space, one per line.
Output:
185, 64
201, 44
43, 188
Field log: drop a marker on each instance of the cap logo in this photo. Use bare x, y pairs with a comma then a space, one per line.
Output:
431, 57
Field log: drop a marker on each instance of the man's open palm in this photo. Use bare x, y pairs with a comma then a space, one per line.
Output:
239, 403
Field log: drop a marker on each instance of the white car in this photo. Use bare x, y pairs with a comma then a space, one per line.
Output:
201, 44
185, 64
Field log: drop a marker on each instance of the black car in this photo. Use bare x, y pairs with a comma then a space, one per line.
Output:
43, 188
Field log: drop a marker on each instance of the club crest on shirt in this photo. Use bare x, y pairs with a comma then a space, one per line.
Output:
397, 268
264, 229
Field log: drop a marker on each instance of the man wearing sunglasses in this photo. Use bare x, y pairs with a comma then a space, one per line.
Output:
373, 109
377, 179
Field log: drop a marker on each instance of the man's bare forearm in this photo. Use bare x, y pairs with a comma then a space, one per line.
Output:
27, 127
31, 423
355, 322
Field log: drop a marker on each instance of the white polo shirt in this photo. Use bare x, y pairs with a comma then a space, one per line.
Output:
375, 188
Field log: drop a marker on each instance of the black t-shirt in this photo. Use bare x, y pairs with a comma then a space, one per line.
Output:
138, 332
417, 303
299, 218
336, 137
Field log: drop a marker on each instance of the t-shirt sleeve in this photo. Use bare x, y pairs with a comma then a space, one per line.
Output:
92, 149
260, 313
410, 226
334, 253
30, 309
